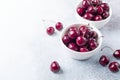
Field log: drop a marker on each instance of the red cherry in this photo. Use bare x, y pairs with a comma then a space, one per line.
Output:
80, 11
105, 6
104, 60
116, 54
50, 30
59, 25
73, 28
114, 66
96, 2
73, 46
65, 39
81, 41
98, 18
92, 45
88, 16
105, 14
54, 67
99, 10
85, 3
83, 49
91, 9
72, 34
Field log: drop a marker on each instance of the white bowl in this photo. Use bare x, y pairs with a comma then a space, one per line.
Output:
98, 24
81, 55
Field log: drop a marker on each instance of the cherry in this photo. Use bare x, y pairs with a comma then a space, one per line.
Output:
59, 25
92, 45
80, 41
73, 46
54, 67
104, 60
66, 39
96, 2
84, 30
83, 49
114, 66
116, 54
73, 28
105, 6
72, 34
93, 35
99, 10
80, 11
98, 18
88, 16
50, 30
91, 9
105, 14
85, 3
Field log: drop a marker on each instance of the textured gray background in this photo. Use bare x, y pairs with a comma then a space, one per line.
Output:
26, 51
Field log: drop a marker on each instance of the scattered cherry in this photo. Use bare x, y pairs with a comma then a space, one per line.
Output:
104, 60
116, 54
114, 66
50, 30
55, 67
59, 25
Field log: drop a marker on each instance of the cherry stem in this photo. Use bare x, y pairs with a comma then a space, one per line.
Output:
107, 47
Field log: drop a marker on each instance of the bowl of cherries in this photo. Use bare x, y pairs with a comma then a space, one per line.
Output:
94, 12
81, 41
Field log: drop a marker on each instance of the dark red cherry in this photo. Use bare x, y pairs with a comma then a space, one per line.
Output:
91, 9
84, 30
116, 54
50, 30
105, 6
88, 16
55, 67
73, 46
59, 25
92, 45
81, 41
93, 35
85, 3
105, 14
96, 2
80, 11
65, 39
97, 18
72, 34
104, 60
83, 49
99, 10
73, 28
114, 66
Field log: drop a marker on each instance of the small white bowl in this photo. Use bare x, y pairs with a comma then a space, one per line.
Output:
97, 24
81, 55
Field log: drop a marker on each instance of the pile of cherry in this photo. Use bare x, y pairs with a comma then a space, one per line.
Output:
94, 10
80, 38
104, 60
